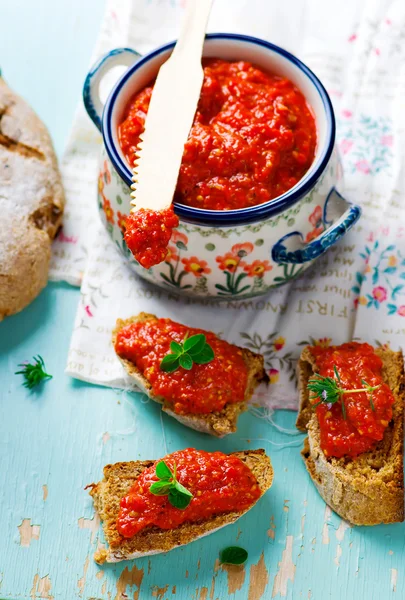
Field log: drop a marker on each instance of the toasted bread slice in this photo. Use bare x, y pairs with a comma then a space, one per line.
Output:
119, 478
218, 424
367, 489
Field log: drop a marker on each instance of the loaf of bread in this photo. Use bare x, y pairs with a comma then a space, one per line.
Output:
31, 202
218, 424
118, 480
367, 489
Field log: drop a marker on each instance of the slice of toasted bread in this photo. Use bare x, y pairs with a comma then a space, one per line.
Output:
118, 480
218, 424
367, 489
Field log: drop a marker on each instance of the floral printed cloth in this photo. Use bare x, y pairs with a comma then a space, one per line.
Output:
356, 290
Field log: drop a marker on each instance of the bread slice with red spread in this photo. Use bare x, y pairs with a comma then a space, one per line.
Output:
118, 480
217, 424
367, 489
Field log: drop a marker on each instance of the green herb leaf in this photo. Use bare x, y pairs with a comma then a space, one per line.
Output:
161, 488
163, 471
186, 362
205, 356
194, 349
169, 363
33, 374
195, 343
178, 499
176, 348
336, 373
233, 555
180, 488
178, 496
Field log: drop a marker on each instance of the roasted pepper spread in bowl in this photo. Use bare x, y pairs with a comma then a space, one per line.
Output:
203, 389
218, 484
356, 422
253, 138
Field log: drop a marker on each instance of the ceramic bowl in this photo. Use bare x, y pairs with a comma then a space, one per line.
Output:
237, 253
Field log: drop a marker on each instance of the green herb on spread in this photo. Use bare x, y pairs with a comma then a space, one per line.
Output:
327, 391
233, 555
33, 374
194, 349
178, 495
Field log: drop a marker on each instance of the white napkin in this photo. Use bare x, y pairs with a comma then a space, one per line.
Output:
357, 289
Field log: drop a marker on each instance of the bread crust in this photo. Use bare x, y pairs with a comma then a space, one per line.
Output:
119, 478
31, 202
217, 424
368, 489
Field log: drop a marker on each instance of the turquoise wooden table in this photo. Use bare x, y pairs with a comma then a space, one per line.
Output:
55, 441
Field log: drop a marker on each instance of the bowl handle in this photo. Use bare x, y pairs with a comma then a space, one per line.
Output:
313, 249
91, 91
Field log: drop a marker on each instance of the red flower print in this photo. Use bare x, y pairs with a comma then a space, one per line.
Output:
363, 166
323, 342
121, 221
107, 174
279, 343
345, 146
171, 254
387, 140
101, 184
229, 262
178, 237
242, 249
195, 266
258, 268
379, 293
314, 234
274, 375
109, 213
347, 113
88, 311
401, 311
316, 217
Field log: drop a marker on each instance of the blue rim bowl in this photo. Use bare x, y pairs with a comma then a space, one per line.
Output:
240, 216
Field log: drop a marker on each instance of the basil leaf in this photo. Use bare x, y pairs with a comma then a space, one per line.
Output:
194, 344
178, 499
205, 356
181, 489
169, 363
176, 348
233, 555
163, 471
186, 361
160, 488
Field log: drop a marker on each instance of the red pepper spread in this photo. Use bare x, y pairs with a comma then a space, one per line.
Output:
253, 137
363, 426
147, 234
203, 389
219, 484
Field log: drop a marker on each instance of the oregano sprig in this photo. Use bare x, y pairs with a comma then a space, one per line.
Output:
33, 374
327, 390
177, 494
194, 349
